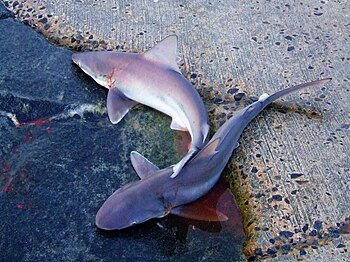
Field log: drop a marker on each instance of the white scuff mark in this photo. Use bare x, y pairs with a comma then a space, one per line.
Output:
80, 110
263, 97
60, 96
68, 113
12, 117
178, 58
160, 225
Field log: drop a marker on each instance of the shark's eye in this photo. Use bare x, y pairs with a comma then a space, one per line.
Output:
133, 223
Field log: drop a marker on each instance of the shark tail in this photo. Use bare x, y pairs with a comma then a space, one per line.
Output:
267, 99
254, 109
251, 112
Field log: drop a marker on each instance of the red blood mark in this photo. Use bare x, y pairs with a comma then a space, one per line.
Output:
37, 122
20, 206
7, 188
7, 180
189, 146
29, 137
21, 124
6, 168
110, 80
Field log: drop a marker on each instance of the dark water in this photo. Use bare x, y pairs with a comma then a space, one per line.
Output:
57, 167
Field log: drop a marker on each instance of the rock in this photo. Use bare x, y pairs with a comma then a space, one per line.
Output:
4, 13
61, 158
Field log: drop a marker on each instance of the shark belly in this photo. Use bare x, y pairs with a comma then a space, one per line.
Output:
165, 91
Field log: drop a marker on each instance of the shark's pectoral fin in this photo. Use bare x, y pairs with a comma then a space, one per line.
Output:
198, 210
118, 105
142, 165
165, 52
176, 126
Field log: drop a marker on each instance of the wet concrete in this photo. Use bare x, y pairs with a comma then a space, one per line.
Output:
60, 158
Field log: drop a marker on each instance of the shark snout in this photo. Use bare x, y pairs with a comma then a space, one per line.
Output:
104, 220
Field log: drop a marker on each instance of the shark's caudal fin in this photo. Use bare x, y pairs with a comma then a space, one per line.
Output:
254, 109
270, 98
118, 105
247, 114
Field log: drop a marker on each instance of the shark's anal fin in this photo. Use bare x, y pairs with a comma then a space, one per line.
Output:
197, 210
142, 165
165, 52
118, 105
176, 126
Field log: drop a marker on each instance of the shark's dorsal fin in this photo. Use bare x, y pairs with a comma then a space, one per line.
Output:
142, 165
165, 52
209, 150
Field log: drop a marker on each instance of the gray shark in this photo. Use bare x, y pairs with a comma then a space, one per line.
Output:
157, 195
152, 79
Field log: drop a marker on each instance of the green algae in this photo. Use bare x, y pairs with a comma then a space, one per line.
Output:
240, 191
147, 131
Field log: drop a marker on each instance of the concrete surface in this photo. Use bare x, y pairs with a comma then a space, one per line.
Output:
291, 171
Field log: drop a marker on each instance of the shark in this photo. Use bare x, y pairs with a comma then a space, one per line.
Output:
157, 194
155, 80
